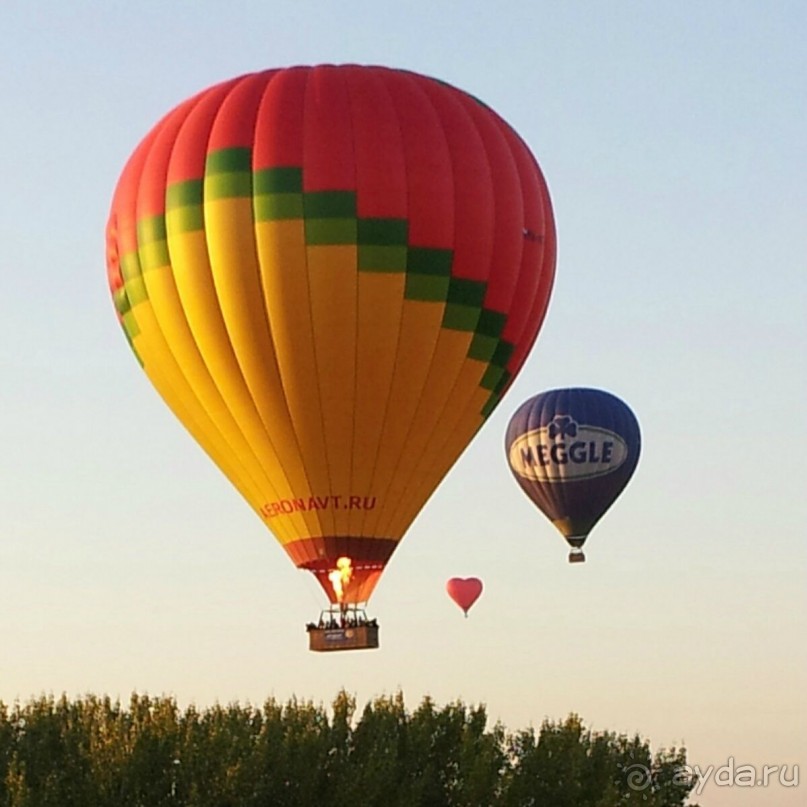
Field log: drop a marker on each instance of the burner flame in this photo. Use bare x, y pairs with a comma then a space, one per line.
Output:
340, 577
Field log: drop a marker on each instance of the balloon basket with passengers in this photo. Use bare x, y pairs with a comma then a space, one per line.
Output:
343, 628
344, 625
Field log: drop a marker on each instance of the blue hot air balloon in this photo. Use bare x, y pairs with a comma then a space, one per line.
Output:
573, 451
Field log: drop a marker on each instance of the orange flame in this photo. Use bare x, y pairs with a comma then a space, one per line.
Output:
340, 577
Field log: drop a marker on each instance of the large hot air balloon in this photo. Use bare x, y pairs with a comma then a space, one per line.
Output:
573, 451
331, 275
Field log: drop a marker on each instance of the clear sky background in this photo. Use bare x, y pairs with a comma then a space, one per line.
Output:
673, 140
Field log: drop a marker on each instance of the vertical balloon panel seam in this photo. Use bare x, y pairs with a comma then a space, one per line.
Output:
434, 95
528, 332
547, 269
384, 83
331, 527
322, 222
269, 77
323, 522
567, 402
351, 475
616, 423
526, 320
234, 459
269, 397
356, 380
225, 441
497, 373
549, 493
231, 360
212, 378
406, 502
552, 493
206, 436
208, 178
493, 400
266, 77
396, 112
591, 410
416, 482
423, 474
202, 358
126, 191
305, 546
417, 87
115, 254
380, 88
504, 346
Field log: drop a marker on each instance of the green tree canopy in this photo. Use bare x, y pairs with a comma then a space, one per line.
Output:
93, 752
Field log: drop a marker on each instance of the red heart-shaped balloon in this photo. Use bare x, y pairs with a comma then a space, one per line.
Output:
464, 591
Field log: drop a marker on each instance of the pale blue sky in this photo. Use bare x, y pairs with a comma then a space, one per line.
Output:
672, 138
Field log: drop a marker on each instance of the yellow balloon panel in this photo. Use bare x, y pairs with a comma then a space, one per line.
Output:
202, 307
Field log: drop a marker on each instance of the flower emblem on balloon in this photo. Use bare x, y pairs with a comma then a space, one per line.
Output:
562, 426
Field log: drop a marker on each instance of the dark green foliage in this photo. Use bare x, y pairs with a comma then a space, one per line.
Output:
93, 752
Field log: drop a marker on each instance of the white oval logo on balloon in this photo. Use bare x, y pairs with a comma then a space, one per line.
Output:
565, 451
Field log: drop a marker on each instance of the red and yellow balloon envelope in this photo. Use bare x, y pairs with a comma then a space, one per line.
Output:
572, 451
331, 275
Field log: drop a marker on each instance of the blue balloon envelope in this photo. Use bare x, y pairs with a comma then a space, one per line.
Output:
572, 451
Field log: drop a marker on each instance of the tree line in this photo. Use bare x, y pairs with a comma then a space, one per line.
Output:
94, 752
